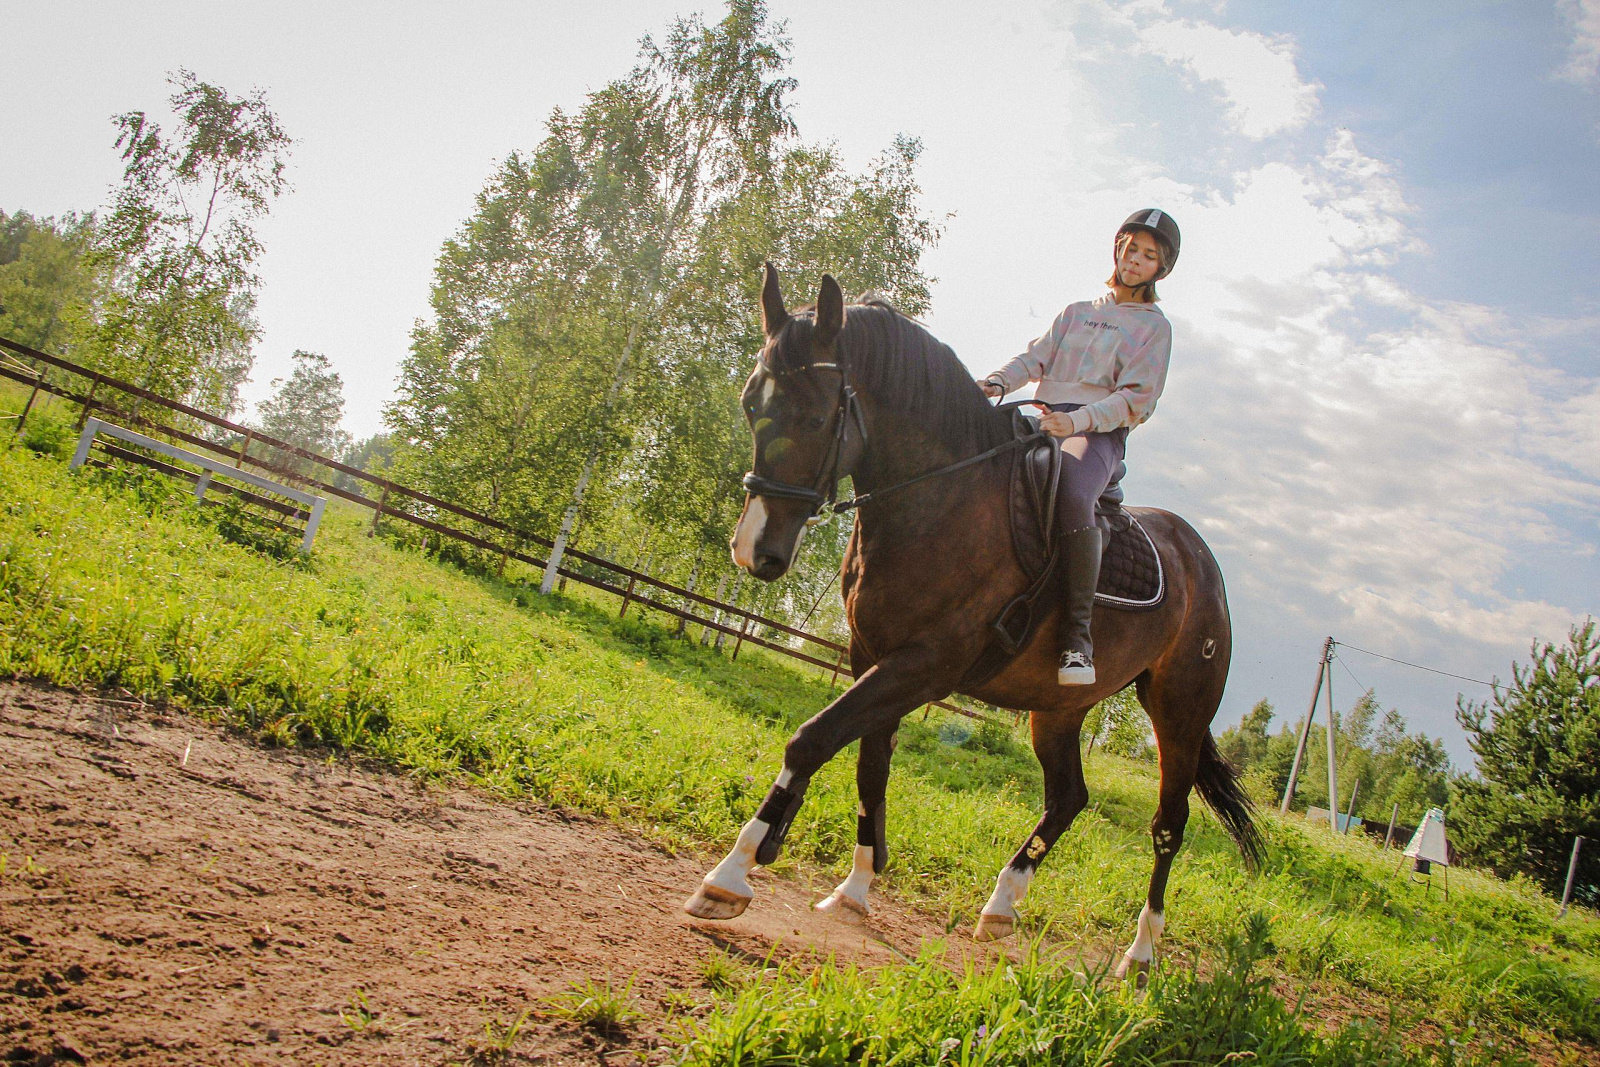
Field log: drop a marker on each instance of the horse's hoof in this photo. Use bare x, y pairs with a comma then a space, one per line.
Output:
714, 902
993, 927
1139, 970
837, 901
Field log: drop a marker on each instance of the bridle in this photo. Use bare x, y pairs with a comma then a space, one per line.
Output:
824, 489
822, 494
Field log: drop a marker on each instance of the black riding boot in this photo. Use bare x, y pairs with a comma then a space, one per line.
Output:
1077, 575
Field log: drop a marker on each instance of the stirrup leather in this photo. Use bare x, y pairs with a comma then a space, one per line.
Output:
1075, 669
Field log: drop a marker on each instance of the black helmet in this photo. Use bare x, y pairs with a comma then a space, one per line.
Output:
1158, 224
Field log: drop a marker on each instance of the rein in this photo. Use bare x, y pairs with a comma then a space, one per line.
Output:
821, 494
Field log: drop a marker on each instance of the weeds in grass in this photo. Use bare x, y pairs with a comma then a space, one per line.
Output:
597, 1005
1035, 1011
360, 1018
498, 1037
722, 973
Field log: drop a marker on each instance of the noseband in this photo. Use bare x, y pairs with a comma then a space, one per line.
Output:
823, 490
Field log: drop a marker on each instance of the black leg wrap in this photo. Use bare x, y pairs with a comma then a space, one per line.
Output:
870, 832
1029, 856
777, 811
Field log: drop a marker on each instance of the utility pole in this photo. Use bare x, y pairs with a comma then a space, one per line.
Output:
1333, 771
1305, 728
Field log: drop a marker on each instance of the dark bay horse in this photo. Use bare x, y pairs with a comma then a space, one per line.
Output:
868, 393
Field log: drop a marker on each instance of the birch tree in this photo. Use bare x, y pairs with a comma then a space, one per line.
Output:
179, 244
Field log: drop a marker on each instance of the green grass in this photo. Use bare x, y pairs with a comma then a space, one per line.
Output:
1036, 1011
108, 581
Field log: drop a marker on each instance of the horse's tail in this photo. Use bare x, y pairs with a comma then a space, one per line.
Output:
1218, 783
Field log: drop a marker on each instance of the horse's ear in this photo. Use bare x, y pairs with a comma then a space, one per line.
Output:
773, 316
830, 311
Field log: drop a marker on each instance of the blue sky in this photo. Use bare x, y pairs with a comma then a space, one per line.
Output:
1384, 408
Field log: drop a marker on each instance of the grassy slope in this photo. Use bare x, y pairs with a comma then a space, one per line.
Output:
377, 649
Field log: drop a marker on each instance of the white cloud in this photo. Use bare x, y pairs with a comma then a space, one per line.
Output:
1256, 74
1583, 52
1362, 448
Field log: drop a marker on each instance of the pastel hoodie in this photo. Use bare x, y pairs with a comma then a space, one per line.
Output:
1110, 357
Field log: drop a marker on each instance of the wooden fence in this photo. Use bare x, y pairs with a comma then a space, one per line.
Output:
394, 501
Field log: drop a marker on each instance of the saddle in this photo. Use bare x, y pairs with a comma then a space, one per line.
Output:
1131, 578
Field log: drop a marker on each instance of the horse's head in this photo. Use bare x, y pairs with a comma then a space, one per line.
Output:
806, 423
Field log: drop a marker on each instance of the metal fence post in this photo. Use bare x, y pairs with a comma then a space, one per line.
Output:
1572, 873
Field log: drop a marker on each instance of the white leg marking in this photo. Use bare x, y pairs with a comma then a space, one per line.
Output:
745, 535
733, 873
785, 776
851, 894
1151, 924
1009, 889
999, 916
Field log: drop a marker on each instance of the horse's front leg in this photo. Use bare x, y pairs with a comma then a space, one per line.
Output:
880, 698
872, 846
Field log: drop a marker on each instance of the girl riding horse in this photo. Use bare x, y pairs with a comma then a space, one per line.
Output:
1100, 368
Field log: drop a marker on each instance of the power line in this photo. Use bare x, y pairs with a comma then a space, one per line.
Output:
1408, 663
1364, 686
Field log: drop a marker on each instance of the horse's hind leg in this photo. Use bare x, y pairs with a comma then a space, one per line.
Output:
1181, 725
1055, 742
872, 847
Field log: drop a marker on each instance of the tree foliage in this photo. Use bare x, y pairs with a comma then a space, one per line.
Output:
178, 246
305, 408
1375, 753
594, 318
1537, 742
47, 289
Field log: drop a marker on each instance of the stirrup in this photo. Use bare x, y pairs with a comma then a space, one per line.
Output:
1076, 669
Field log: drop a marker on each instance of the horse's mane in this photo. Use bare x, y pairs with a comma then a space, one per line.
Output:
902, 366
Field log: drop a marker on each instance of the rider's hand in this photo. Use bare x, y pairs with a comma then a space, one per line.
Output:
1057, 423
990, 389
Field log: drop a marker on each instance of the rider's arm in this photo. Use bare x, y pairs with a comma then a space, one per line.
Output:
1029, 366
1139, 385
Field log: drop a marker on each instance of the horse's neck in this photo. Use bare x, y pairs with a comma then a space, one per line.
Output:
898, 451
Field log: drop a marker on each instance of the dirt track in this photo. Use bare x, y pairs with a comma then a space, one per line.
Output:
229, 908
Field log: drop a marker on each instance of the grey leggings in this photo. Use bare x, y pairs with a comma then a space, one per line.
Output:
1088, 463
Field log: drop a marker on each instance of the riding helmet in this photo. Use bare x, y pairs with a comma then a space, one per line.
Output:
1160, 225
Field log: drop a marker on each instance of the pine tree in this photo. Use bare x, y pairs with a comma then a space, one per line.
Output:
1538, 746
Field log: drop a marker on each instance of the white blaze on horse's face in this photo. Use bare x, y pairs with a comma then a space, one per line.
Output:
788, 421
752, 524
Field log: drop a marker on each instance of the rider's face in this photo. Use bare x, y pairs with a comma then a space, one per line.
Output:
1140, 261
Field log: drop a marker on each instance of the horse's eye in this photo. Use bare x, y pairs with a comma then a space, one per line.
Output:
816, 422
